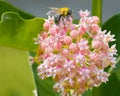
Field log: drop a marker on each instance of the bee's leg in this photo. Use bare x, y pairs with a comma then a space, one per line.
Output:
57, 18
63, 19
68, 18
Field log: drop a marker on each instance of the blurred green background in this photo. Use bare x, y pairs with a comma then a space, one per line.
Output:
15, 73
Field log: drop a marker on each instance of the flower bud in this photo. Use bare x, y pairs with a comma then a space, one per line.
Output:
74, 34
67, 40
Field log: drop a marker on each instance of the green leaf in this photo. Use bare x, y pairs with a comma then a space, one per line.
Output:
117, 66
44, 87
17, 32
88, 93
111, 88
5, 7
15, 73
113, 25
18, 28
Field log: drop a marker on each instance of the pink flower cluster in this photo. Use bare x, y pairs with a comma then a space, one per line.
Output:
75, 55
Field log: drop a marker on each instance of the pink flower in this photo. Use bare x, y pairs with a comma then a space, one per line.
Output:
57, 45
84, 13
95, 20
74, 34
80, 59
67, 40
82, 29
75, 55
73, 47
46, 26
65, 52
83, 44
94, 56
44, 35
53, 31
96, 44
94, 28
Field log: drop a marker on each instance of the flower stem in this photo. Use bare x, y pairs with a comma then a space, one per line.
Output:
97, 9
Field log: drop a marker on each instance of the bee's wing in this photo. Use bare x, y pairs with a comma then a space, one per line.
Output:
50, 13
56, 10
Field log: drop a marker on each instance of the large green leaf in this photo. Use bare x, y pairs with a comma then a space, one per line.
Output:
18, 28
88, 93
19, 33
5, 7
111, 88
117, 66
15, 73
113, 25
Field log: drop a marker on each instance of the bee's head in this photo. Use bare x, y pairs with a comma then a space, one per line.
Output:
70, 12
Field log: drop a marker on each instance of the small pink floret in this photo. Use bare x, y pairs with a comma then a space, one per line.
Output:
67, 40
94, 28
74, 34
73, 47
46, 26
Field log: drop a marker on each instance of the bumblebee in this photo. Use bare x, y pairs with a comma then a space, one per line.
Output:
60, 13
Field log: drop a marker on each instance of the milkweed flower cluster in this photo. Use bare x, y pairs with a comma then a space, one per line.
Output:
75, 55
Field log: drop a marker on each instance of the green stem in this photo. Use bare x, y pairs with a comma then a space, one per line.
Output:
97, 9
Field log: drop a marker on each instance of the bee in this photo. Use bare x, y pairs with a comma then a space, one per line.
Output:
60, 13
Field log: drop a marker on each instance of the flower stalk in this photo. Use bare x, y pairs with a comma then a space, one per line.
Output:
97, 9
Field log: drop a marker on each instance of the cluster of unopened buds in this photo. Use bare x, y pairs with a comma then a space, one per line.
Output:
75, 55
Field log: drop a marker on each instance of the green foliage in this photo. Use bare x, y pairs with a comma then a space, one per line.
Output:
19, 33
111, 88
15, 73
5, 7
88, 93
113, 25
17, 28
